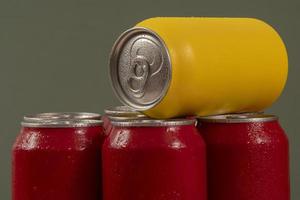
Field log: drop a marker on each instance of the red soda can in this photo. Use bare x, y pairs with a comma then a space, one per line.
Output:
154, 159
247, 157
58, 158
119, 113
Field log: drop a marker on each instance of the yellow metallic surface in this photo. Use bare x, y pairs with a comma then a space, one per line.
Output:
219, 65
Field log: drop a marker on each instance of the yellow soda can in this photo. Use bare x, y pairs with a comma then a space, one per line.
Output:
171, 66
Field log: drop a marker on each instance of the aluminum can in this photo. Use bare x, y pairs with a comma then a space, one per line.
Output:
58, 159
120, 113
154, 159
247, 157
169, 67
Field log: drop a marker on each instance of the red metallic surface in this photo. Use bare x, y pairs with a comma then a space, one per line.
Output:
57, 164
246, 161
154, 163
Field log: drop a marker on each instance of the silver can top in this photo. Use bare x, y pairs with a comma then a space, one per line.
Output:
127, 118
62, 119
62, 123
239, 118
61, 116
140, 68
122, 111
154, 122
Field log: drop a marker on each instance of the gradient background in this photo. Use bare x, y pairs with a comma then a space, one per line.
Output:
54, 55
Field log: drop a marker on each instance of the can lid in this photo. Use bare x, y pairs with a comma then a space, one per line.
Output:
140, 68
62, 119
62, 123
60, 116
239, 118
127, 118
154, 122
122, 111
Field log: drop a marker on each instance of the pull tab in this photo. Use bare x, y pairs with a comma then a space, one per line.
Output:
137, 82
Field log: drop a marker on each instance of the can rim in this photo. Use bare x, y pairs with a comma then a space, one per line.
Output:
113, 63
154, 122
122, 111
62, 123
126, 118
239, 118
61, 116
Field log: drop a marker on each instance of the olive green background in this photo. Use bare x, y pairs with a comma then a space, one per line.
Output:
54, 55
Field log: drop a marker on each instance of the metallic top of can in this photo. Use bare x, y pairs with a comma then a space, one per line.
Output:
239, 118
154, 122
61, 116
62, 123
140, 68
62, 119
122, 111
127, 118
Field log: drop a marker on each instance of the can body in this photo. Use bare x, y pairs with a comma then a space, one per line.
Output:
199, 66
62, 163
246, 161
162, 163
